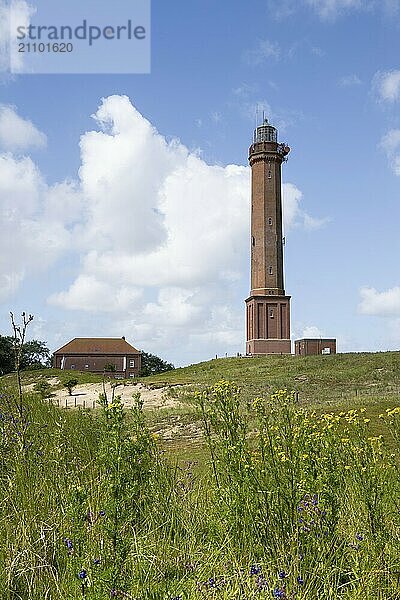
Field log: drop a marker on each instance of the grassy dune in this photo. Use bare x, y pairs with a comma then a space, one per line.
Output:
235, 494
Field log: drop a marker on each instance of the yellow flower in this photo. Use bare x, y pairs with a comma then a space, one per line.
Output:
347, 467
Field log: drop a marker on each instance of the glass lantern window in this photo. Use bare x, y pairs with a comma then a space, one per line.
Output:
266, 133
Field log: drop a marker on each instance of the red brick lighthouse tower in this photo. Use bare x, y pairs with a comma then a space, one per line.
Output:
268, 307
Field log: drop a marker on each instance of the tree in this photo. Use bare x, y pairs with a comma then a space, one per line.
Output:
35, 355
70, 384
152, 364
7, 360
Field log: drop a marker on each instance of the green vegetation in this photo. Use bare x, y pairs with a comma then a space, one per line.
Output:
34, 355
152, 364
339, 377
278, 497
70, 384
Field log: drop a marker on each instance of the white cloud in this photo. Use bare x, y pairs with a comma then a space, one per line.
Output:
16, 13
387, 85
162, 236
328, 9
390, 144
311, 332
17, 133
264, 50
32, 234
332, 9
350, 81
89, 294
294, 215
245, 90
385, 304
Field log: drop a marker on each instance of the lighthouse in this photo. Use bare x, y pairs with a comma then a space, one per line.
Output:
267, 307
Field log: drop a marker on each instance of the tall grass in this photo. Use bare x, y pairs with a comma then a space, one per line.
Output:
290, 504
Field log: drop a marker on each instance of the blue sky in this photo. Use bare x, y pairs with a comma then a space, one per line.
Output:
136, 223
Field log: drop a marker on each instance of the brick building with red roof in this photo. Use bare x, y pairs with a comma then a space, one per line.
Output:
94, 354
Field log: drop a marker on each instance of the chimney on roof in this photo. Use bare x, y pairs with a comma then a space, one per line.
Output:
123, 337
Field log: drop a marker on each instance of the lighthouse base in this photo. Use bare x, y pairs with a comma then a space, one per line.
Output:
268, 325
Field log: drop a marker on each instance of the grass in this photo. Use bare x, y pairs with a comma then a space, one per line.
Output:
274, 499
340, 375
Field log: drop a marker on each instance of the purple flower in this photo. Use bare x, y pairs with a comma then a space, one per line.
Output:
300, 580
282, 575
70, 546
97, 561
102, 513
255, 569
82, 574
279, 593
261, 582
359, 537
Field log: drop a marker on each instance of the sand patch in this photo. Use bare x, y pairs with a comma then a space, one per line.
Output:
87, 395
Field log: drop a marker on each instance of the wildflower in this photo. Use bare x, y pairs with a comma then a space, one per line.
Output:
102, 513
282, 575
177, 598
261, 583
279, 593
97, 561
82, 574
359, 537
90, 517
70, 546
300, 580
354, 546
255, 569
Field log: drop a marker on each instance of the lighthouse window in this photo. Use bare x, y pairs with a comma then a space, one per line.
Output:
270, 221
269, 174
271, 314
270, 271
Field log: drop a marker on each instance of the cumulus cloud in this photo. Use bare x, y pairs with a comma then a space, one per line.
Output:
162, 236
89, 294
383, 304
294, 215
390, 144
32, 235
17, 133
387, 85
